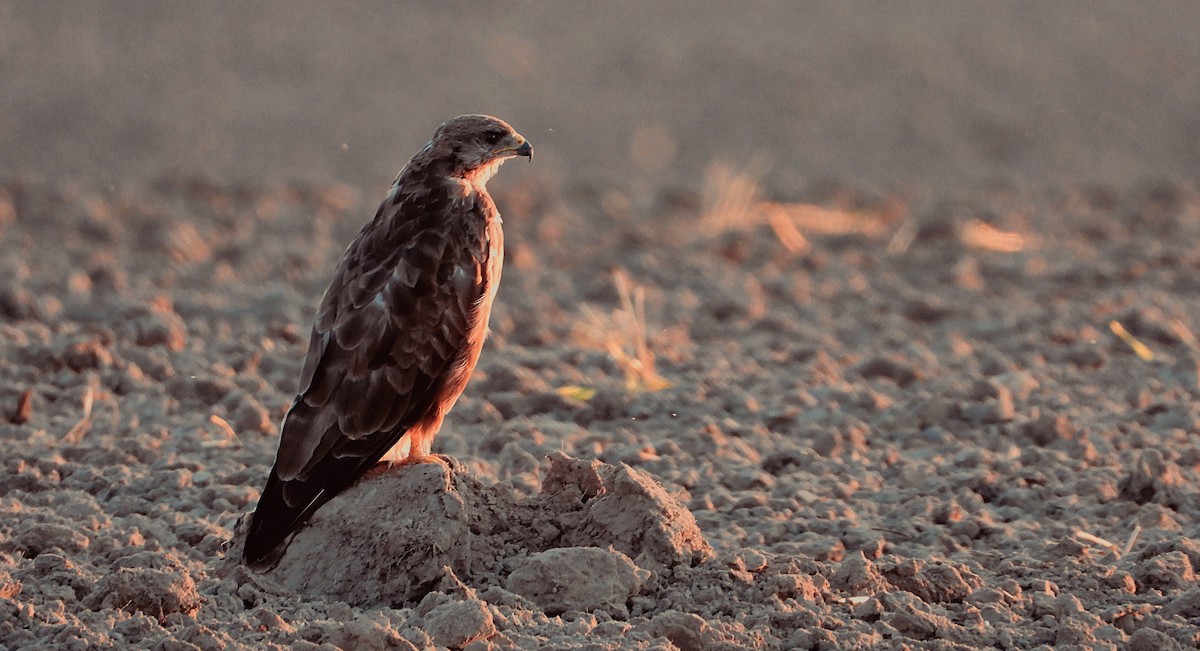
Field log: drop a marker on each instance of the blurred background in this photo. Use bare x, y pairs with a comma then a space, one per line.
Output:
947, 97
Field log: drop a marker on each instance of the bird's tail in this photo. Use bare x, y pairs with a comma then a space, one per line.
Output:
275, 521
286, 505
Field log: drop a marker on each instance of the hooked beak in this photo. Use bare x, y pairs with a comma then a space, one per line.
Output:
519, 147
525, 149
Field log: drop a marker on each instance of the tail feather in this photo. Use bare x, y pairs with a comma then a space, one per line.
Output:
286, 505
275, 521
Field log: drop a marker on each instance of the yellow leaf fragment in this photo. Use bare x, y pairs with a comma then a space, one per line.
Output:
1141, 350
576, 392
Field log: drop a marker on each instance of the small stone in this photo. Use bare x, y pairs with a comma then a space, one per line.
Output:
896, 370
250, 416
857, 575
1149, 639
914, 624
154, 325
983, 389
149, 582
1049, 428
663, 533
1152, 478
1066, 605
933, 582
89, 353
868, 541
750, 479
686, 631
828, 444
457, 624
43, 536
1169, 571
1086, 357
578, 578
926, 309
1123, 582
869, 610
1186, 605
1004, 409
1073, 632
934, 411
1020, 383
752, 560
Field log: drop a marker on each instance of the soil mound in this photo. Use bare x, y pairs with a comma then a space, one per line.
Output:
392, 538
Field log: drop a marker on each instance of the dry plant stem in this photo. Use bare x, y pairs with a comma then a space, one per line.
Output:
903, 238
622, 334
1140, 349
787, 232
982, 235
639, 366
731, 199
231, 437
24, 408
1097, 540
1133, 536
730, 195
76, 434
1185, 334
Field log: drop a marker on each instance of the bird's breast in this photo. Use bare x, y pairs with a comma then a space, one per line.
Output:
495, 261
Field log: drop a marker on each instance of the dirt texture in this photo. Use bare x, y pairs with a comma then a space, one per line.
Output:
925, 376
399, 533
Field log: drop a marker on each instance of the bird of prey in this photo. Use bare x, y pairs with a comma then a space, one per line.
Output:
397, 333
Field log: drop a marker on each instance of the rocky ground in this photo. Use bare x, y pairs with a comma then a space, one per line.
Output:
869, 423
823, 326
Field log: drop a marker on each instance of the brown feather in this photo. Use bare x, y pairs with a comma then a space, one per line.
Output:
397, 333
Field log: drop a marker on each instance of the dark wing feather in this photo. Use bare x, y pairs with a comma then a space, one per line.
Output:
394, 320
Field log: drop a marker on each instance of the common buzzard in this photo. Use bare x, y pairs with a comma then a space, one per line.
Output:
397, 333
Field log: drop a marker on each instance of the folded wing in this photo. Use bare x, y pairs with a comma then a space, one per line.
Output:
390, 329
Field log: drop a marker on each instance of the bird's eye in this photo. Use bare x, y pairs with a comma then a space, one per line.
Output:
492, 137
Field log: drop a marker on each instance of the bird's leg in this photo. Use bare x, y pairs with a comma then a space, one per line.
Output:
420, 444
388, 465
414, 459
414, 448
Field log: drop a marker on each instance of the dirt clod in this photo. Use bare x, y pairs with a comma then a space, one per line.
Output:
578, 578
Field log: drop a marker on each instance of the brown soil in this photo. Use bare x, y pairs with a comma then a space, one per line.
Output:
908, 408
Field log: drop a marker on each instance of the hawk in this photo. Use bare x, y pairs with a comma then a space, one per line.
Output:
397, 333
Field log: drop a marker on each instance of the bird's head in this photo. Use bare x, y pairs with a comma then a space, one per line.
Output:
473, 146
